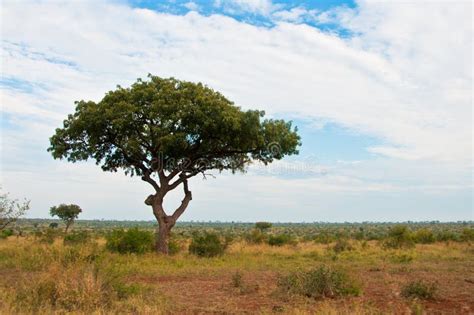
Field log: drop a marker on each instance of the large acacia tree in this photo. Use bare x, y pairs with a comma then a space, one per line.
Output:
166, 131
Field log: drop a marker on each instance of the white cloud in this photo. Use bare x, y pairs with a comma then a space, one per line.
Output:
404, 79
191, 6
263, 7
296, 15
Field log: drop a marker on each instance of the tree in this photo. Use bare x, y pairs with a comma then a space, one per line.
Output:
11, 210
167, 131
67, 213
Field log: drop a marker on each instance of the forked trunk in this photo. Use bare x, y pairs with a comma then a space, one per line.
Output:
166, 222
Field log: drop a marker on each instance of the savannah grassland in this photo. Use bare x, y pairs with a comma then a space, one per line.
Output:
85, 278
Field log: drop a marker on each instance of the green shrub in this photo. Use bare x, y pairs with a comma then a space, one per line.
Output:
130, 241
446, 236
207, 244
281, 239
255, 237
53, 225
320, 282
342, 245
324, 238
424, 236
173, 247
76, 237
263, 226
467, 234
6, 233
399, 237
419, 289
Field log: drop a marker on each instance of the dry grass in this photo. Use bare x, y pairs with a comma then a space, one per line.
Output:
45, 279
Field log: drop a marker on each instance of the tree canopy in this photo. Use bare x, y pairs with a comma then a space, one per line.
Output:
166, 123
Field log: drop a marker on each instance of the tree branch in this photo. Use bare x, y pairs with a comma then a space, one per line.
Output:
184, 203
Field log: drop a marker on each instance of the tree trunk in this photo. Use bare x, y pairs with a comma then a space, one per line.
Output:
162, 238
166, 222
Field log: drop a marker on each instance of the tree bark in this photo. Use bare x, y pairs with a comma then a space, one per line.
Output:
162, 238
166, 222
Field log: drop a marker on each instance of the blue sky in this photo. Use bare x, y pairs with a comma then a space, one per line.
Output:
381, 94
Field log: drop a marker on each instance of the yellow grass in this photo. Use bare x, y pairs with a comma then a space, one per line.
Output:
45, 279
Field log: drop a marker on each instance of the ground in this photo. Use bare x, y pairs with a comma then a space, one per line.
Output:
185, 284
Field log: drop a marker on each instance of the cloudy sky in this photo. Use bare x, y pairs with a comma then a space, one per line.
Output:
381, 93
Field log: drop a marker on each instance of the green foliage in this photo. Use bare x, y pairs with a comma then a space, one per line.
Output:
130, 241
6, 233
207, 244
399, 236
324, 237
179, 120
255, 236
263, 226
420, 290
67, 213
467, 234
424, 236
281, 239
75, 238
320, 282
11, 210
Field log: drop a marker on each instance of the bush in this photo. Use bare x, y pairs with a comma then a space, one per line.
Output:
280, 240
207, 245
255, 237
420, 290
320, 282
424, 236
173, 247
262, 226
6, 233
342, 245
467, 234
76, 238
398, 237
130, 241
324, 238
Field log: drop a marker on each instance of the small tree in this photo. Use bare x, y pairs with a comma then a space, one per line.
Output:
11, 210
67, 213
167, 131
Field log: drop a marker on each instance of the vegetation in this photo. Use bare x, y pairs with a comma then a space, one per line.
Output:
399, 236
207, 245
167, 131
67, 213
281, 239
11, 210
319, 283
263, 226
130, 241
420, 290
47, 271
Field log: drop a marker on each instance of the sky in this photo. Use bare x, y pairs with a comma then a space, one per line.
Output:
381, 93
